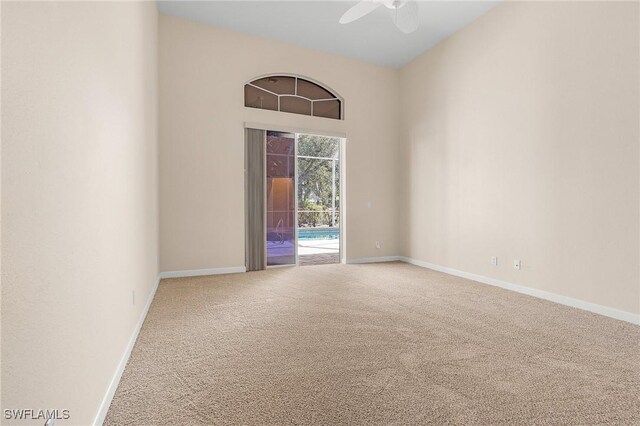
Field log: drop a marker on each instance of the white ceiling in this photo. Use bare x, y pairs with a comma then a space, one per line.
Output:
314, 25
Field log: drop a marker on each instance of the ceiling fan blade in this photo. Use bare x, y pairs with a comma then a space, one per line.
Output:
406, 17
361, 9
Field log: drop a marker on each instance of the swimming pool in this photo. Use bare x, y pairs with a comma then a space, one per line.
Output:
318, 233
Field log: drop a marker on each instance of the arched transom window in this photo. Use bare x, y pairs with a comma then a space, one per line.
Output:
292, 94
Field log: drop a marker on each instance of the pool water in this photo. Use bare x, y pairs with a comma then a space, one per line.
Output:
318, 233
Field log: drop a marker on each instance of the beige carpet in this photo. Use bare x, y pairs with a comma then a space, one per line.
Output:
373, 344
318, 259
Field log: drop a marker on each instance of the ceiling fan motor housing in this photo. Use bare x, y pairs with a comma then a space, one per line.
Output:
394, 4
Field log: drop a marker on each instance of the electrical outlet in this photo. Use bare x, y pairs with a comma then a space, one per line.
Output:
517, 264
378, 244
494, 260
133, 297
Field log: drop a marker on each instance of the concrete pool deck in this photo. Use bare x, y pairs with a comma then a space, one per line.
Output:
319, 246
304, 247
310, 252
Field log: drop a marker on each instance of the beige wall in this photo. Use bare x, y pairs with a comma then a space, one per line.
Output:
522, 141
202, 75
0, 199
79, 196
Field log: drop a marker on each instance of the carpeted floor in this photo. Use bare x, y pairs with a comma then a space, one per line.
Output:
318, 259
373, 344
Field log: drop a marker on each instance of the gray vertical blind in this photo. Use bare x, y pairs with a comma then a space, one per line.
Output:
254, 158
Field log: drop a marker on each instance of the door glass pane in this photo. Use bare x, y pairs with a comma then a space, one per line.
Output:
280, 171
318, 200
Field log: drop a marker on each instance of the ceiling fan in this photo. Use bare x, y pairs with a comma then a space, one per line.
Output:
404, 13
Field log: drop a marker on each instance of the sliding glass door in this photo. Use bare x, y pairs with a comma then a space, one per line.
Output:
298, 218
318, 199
280, 198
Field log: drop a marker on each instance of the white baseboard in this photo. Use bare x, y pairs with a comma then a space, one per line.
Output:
374, 259
200, 272
111, 390
563, 300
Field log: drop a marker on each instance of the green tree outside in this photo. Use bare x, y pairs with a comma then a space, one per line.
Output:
315, 180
